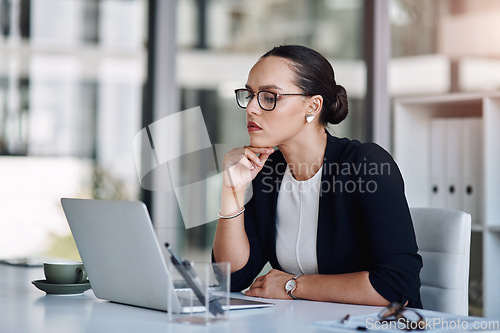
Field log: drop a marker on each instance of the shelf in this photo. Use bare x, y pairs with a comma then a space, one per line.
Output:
494, 228
458, 98
429, 133
478, 228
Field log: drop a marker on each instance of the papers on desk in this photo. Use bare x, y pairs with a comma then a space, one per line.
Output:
435, 322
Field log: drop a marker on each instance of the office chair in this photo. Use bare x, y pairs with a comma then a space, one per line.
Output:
443, 238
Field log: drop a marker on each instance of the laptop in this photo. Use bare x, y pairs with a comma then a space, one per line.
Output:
122, 256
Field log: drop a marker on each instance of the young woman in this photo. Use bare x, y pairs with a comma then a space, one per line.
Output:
329, 214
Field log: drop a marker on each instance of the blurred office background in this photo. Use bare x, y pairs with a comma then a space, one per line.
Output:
79, 78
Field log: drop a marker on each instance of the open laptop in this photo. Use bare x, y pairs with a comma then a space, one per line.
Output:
122, 256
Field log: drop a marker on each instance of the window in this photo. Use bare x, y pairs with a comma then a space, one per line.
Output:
71, 80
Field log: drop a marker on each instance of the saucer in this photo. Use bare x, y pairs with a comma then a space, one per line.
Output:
62, 289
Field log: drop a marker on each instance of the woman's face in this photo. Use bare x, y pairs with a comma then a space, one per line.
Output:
272, 128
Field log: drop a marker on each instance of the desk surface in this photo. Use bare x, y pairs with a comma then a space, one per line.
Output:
24, 308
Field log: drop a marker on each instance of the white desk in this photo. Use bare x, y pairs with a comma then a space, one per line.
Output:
24, 308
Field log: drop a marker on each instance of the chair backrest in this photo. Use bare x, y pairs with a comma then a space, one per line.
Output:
443, 238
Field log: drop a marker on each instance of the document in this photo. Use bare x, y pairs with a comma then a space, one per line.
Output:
434, 322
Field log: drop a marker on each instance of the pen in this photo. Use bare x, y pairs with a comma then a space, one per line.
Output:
189, 275
358, 328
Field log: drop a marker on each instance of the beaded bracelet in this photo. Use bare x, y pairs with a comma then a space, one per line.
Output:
231, 216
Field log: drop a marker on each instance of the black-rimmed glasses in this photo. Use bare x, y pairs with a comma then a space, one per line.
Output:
266, 99
407, 319
396, 316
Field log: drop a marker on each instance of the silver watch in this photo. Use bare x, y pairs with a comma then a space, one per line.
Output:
291, 285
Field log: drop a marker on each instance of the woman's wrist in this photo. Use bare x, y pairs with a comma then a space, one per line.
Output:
232, 191
232, 216
232, 188
232, 201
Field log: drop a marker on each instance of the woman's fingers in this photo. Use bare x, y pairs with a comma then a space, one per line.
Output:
246, 161
252, 158
270, 285
247, 156
241, 165
258, 160
256, 284
263, 157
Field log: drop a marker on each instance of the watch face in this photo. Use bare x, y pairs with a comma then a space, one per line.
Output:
290, 285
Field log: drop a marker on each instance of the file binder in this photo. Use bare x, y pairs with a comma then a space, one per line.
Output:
437, 163
454, 180
472, 167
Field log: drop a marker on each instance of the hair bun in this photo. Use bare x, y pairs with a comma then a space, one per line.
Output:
339, 109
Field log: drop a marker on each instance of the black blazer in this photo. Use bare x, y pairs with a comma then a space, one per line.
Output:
364, 222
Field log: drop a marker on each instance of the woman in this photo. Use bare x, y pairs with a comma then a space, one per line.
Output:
329, 214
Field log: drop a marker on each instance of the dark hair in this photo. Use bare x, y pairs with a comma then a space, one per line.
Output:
315, 76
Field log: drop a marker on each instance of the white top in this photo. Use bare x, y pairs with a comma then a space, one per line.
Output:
297, 224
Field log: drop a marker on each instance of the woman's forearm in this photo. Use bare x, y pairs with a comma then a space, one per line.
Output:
231, 242
354, 288
241, 165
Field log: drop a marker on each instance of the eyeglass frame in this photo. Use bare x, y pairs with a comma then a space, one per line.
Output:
396, 310
275, 94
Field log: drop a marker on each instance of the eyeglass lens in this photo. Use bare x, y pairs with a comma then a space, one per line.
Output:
243, 97
266, 99
396, 311
392, 310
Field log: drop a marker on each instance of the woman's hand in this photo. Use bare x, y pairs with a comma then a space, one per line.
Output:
271, 285
241, 165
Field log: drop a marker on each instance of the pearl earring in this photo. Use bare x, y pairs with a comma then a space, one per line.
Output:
309, 118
